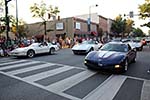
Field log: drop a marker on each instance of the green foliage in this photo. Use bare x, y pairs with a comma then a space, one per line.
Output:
144, 10
119, 25
129, 24
137, 32
40, 10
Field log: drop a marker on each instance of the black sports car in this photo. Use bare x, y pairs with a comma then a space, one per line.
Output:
113, 55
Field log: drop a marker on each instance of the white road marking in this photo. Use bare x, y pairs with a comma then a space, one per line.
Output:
42, 75
17, 65
145, 95
13, 62
108, 89
69, 82
29, 69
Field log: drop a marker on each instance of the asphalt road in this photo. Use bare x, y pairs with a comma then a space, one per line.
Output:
63, 76
66, 57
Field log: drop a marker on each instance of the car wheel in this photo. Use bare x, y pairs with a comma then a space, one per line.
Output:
134, 60
52, 51
30, 53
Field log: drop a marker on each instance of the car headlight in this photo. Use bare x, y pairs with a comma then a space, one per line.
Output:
117, 66
85, 61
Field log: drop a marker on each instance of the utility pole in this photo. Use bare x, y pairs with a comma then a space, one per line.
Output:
7, 20
18, 34
89, 19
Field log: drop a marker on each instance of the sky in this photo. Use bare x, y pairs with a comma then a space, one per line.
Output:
70, 8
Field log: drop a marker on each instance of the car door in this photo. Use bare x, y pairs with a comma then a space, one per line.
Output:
131, 53
39, 48
44, 47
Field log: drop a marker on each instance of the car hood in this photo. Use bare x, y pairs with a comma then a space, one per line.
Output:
20, 49
106, 57
81, 47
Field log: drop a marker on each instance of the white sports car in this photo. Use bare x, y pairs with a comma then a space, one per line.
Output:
134, 43
33, 49
86, 46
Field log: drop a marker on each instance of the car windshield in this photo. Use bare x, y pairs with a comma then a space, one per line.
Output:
88, 42
136, 40
114, 47
34, 45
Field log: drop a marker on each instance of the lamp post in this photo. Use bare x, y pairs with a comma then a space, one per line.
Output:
7, 20
89, 19
17, 20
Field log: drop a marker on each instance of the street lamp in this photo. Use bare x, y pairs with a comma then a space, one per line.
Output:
17, 20
89, 19
7, 19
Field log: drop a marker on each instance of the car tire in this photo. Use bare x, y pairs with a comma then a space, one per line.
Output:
52, 51
30, 53
134, 60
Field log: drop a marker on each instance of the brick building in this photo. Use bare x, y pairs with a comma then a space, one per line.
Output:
69, 27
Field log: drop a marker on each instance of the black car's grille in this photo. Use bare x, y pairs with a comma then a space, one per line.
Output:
95, 65
79, 51
92, 63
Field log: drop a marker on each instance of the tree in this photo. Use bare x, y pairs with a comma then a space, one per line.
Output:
144, 10
148, 32
137, 32
118, 26
129, 26
41, 10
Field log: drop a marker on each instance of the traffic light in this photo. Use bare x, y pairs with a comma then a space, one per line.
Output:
131, 14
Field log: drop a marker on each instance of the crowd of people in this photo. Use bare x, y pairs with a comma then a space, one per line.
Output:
6, 45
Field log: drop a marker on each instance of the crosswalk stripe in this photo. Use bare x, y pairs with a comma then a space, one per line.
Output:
29, 69
13, 62
145, 95
4, 61
17, 65
108, 89
69, 82
42, 75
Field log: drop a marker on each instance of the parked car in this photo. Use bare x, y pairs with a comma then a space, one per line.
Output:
112, 56
134, 43
33, 49
86, 46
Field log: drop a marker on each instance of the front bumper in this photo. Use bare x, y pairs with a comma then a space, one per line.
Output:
80, 51
95, 65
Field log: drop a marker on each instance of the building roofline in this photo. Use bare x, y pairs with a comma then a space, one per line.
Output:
80, 19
